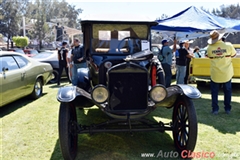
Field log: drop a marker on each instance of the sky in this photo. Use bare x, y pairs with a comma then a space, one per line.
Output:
151, 8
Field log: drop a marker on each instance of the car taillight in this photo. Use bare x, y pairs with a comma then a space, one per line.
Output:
190, 69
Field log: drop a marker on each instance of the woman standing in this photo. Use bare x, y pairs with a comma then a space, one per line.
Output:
188, 60
196, 52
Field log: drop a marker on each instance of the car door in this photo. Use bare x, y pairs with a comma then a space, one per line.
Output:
11, 80
28, 74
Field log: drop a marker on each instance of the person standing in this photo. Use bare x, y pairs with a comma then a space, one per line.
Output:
62, 61
221, 69
77, 60
167, 54
196, 52
181, 62
188, 60
70, 67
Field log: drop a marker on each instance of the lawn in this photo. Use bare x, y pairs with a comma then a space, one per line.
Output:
30, 131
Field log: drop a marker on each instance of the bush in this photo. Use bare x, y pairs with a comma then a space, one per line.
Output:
20, 41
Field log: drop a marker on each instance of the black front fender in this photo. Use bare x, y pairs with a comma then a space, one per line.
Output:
68, 94
190, 91
176, 90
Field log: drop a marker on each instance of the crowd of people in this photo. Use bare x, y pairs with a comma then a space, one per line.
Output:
71, 60
220, 54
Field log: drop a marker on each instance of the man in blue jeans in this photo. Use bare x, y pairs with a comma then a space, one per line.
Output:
181, 62
221, 69
78, 60
166, 53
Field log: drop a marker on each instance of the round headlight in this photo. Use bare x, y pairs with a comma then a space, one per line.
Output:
158, 93
108, 65
100, 94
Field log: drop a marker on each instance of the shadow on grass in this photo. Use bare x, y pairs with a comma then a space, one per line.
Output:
125, 146
64, 82
224, 123
13, 106
116, 145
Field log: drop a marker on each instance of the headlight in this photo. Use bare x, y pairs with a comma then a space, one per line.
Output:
158, 93
100, 94
108, 65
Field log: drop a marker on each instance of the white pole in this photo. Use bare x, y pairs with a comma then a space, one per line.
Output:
24, 28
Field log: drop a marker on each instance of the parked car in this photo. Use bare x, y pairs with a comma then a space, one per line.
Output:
30, 52
21, 76
156, 48
50, 57
19, 50
237, 48
203, 52
200, 67
121, 81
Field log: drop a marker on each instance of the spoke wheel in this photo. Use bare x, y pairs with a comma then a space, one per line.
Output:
68, 136
184, 124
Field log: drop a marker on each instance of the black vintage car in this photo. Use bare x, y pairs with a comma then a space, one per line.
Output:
125, 81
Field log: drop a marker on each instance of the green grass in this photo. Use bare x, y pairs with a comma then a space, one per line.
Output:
30, 131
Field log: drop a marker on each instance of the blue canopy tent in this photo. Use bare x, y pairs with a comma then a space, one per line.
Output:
193, 23
237, 27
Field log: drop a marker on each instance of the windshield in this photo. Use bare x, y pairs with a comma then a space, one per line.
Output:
238, 51
119, 38
45, 54
19, 51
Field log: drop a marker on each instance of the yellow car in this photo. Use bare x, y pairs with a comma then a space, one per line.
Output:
21, 76
237, 48
200, 67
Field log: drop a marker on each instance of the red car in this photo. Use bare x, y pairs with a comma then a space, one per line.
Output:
30, 52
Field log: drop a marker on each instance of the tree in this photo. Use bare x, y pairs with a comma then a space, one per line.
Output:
47, 11
72, 15
20, 41
41, 26
11, 12
231, 11
163, 16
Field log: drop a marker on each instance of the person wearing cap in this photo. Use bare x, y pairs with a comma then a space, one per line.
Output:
62, 61
166, 61
181, 61
221, 69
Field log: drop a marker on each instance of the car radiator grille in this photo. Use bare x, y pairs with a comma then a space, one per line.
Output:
128, 91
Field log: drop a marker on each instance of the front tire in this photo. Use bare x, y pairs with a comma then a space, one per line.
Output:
37, 89
55, 76
68, 136
184, 125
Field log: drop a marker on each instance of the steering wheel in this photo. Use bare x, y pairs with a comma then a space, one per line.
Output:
130, 48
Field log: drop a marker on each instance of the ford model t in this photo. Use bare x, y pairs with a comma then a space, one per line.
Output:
125, 81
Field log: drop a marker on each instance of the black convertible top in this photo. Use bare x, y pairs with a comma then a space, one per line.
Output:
118, 18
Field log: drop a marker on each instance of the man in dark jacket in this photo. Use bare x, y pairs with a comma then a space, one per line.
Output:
78, 60
181, 62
